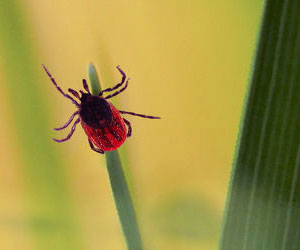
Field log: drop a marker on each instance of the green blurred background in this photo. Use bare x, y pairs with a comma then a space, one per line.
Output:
189, 62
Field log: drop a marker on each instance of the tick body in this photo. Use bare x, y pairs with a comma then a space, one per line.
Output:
100, 120
102, 123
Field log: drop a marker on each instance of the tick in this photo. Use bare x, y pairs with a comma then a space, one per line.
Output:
100, 120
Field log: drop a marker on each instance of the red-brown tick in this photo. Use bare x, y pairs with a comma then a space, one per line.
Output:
100, 120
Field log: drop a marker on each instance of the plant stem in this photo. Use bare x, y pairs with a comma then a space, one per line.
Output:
122, 197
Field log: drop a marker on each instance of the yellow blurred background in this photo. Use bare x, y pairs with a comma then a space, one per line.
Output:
189, 62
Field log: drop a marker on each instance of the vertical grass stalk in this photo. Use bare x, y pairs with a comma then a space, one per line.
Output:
119, 185
48, 219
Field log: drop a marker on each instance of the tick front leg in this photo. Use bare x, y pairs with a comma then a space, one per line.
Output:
98, 150
58, 88
86, 86
129, 127
119, 91
117, 85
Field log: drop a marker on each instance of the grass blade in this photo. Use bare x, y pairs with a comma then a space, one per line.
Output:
263, 210
49, 217
119, 185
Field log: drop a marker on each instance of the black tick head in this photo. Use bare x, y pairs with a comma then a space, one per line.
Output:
95, 111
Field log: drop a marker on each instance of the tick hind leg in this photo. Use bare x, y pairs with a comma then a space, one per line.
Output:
129, 127
68, 122
140, 115
98, 150
70, 134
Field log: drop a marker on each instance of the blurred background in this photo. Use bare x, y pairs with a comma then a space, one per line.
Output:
189, 62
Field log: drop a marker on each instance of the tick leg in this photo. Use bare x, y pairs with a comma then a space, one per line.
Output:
86, 86
98, 150
70, 134
116, 86
118, 92
58, 88
68, 122
74, 93
140, 115
129, 127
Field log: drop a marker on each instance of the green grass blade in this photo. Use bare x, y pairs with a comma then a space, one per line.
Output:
122, 197
263, 207
48, 217
95, 83
123, 200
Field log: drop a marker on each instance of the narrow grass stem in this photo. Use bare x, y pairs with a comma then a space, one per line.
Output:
120, 191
